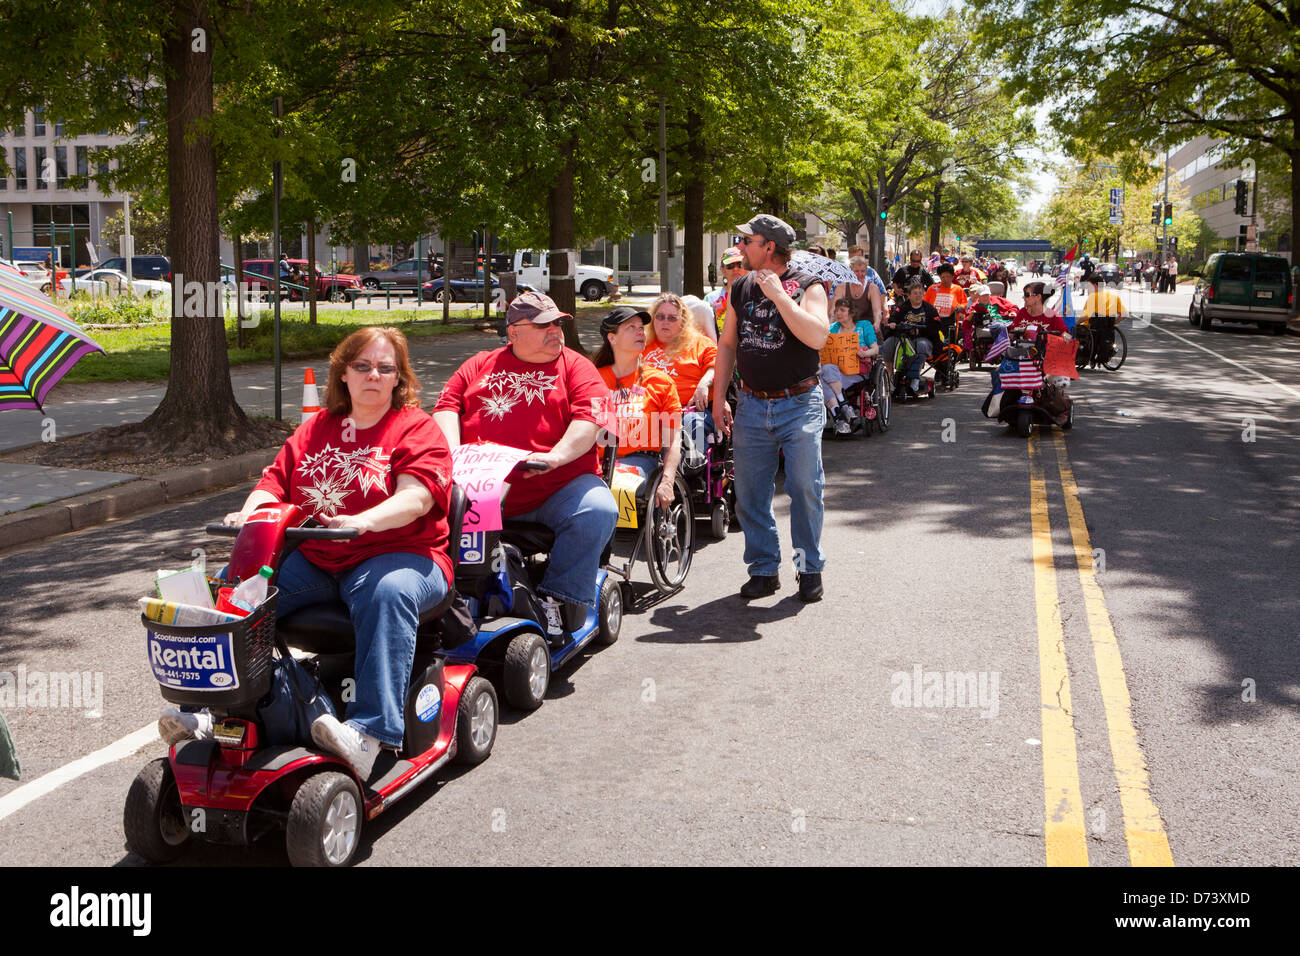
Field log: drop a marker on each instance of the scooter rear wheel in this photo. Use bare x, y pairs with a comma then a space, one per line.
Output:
324, 825
1024, 423
527, 672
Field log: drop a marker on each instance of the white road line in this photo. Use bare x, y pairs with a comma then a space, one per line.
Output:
1245, 368
15, 800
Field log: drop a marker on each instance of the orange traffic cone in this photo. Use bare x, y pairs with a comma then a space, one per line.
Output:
310, 400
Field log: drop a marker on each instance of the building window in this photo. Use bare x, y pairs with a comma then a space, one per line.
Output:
4, 179
20, 167
101, 162
43, 170
38, 122
83, 160
58, 127
61, 167
20, 130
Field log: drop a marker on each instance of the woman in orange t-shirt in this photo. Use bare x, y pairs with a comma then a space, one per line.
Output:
677, 348
645, 400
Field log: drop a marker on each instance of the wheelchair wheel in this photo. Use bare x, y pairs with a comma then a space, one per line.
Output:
719, 520
1084, 353
1113, 363
883, 391
669, 538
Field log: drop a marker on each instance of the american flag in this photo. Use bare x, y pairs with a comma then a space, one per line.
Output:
1022, 375
1063, 277
1000, 343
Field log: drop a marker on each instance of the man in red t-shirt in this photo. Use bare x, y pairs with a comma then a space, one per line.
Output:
538, 395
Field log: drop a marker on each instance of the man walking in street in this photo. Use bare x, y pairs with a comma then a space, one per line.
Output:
774, 325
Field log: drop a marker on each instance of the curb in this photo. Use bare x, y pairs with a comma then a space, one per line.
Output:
97, 507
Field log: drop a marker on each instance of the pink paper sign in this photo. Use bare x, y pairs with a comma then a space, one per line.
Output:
480, 469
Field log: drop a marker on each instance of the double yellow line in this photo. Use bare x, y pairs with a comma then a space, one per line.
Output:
1064, 828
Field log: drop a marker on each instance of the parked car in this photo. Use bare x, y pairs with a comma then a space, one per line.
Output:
1243, 287
592, 282
403, 274
259, 274
101, 281
37, 278
1109, 273
468, 290
142, 267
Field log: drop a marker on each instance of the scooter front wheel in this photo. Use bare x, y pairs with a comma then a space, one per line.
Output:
153, 818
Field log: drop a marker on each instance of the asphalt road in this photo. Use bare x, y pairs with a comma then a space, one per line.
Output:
717, 731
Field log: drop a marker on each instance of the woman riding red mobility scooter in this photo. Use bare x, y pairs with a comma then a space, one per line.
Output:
377, 469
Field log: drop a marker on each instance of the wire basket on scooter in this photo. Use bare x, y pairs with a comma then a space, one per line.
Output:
214, 665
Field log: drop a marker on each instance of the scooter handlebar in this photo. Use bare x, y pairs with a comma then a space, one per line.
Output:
301, 534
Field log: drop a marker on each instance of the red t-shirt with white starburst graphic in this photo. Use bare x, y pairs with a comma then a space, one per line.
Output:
528, 405
329, 467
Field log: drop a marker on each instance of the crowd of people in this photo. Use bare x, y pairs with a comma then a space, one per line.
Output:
374, 461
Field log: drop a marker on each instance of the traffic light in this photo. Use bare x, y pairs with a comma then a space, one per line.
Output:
1169, 214
1242, 197
884, 210
1155, 214
1241, 237
1173, 244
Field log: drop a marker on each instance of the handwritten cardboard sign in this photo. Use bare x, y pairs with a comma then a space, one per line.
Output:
480, 469
841, 349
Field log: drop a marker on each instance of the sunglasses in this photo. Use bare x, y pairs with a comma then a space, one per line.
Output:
363, 368
733, 265
544, 326
667, 316
748, 239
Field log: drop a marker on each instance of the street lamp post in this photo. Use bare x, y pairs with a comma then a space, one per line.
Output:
925, 240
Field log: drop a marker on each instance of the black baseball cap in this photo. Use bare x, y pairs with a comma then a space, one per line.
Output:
623, 313
770, 228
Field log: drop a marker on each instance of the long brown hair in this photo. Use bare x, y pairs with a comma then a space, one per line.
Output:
688, 332
338, 401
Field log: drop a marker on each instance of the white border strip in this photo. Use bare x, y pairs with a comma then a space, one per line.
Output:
1245, 368
14, 801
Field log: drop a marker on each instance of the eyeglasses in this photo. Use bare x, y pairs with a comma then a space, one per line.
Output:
545, 326
733, 265
748, 239
667, 316
363, 368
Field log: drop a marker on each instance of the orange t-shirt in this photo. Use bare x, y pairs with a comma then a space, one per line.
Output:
647, 408
946, 301
686, 369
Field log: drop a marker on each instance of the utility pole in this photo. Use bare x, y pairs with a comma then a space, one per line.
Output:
277, 184
1164, 240
665, 236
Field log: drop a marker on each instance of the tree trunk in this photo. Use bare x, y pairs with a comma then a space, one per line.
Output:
563, 254
937, 213
693, 249
310, 280
198, 411
360, 260
1295, 222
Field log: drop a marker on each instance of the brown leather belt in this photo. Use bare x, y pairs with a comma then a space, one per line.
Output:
798, 388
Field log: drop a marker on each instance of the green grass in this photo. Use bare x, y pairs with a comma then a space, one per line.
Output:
138, 353
142, 354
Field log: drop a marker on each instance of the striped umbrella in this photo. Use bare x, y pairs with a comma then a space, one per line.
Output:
38, 343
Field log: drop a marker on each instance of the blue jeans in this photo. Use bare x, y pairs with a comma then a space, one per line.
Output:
582, 514
924, 349
385, 596
762, 428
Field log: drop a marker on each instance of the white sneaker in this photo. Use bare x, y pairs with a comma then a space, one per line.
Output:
842, 427
554, 616
342, 740
176, 725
